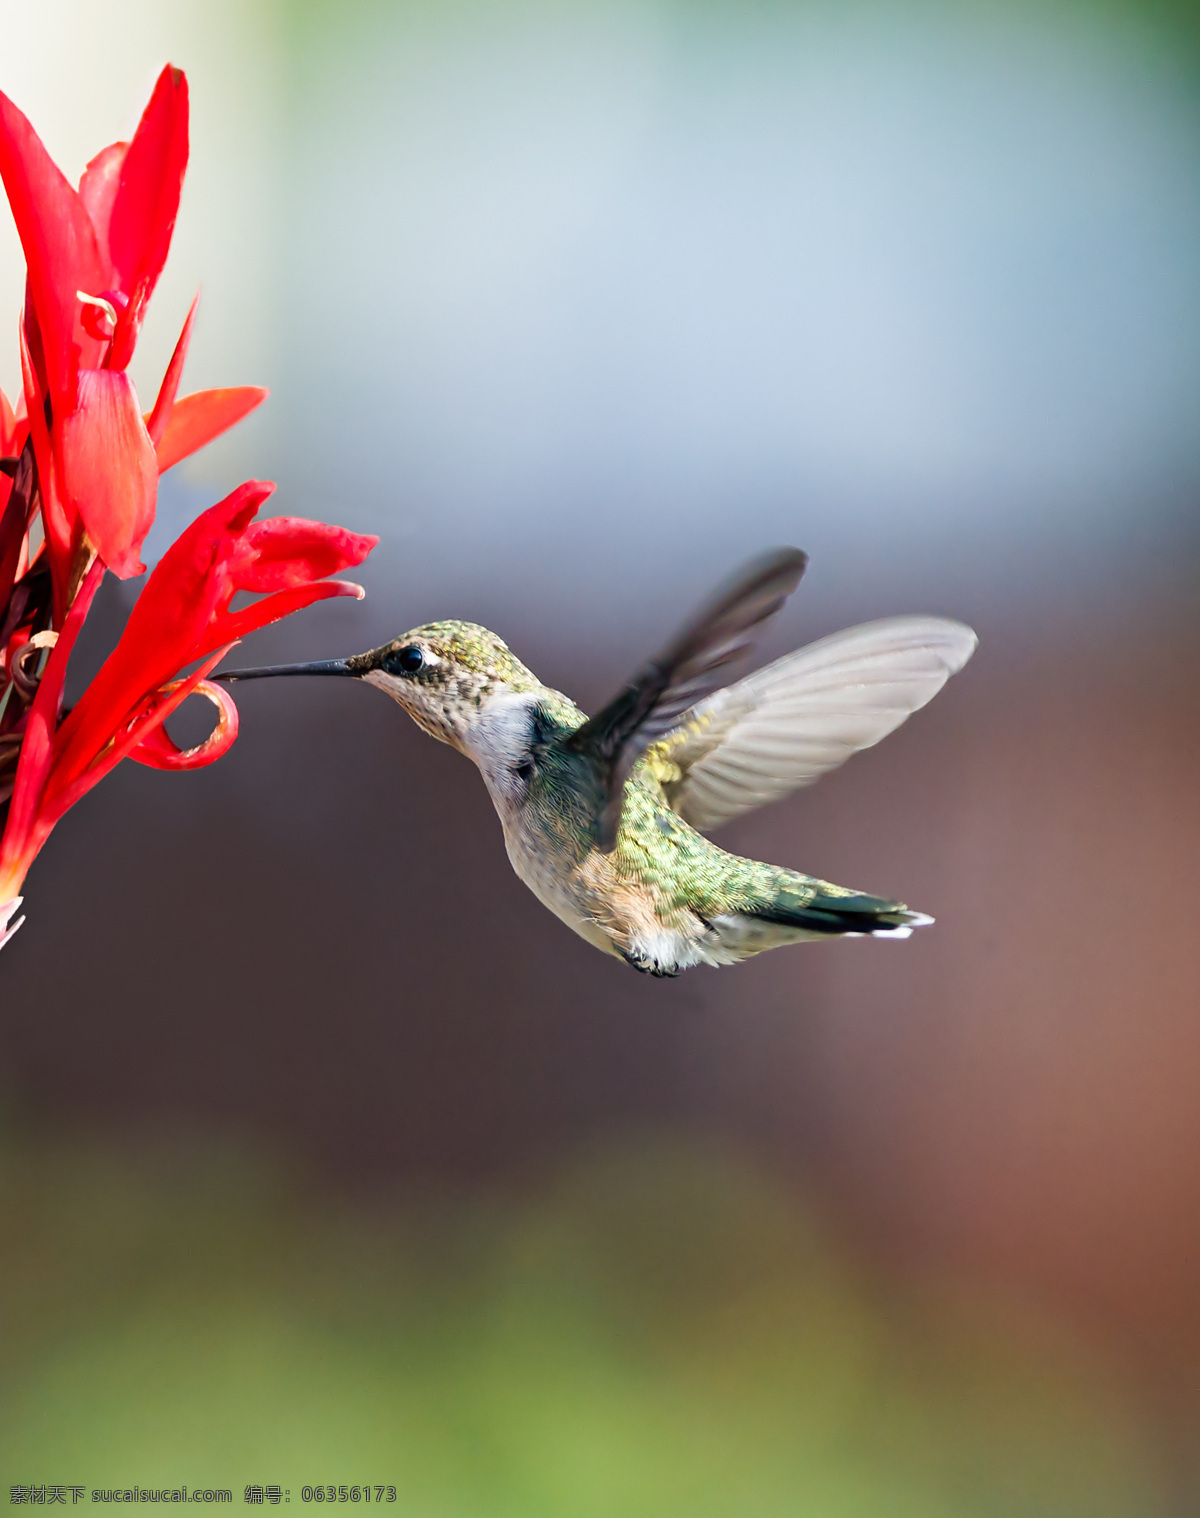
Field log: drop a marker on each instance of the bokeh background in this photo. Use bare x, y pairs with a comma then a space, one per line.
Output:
325, 1153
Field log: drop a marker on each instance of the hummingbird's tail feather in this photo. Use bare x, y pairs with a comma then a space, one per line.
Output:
839, 914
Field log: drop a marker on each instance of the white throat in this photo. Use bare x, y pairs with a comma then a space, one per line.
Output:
499, 742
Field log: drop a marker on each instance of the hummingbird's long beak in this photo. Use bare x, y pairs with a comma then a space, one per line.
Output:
319, 667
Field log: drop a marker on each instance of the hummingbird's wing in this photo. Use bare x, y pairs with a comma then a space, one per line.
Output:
787, 724
669, 684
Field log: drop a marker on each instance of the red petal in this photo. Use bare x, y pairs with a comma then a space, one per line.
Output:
109, 471
60, 249
58, 520
156, 422
159, 750
165, 628
147, 202
202, 416
286, 551
16, 510
12, 432
283, 603
12, 440
98, 190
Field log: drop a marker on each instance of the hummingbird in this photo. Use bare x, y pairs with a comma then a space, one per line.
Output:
605, 818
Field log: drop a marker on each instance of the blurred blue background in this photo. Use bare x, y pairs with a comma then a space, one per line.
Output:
328, 1155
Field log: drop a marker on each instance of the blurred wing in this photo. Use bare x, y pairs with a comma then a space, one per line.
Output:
671, 683
785, 725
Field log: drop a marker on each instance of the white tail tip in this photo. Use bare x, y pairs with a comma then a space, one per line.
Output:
915, 920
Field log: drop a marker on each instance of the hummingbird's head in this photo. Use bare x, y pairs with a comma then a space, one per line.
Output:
456, 680
445, 675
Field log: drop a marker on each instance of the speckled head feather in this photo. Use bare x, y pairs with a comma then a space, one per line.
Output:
461, 666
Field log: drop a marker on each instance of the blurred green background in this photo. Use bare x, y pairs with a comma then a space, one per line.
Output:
657, 1328
325, 1154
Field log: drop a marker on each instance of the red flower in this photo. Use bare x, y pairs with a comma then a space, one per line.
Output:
78, 450
182, 615
94, 257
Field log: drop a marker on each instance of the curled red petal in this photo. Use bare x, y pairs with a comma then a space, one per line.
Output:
98, 190
198, 418
60, 247
156, 422
109, 471
159, 750
63, 790
147, 203
286, 551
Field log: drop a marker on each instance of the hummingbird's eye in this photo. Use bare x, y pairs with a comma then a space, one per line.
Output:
407, 660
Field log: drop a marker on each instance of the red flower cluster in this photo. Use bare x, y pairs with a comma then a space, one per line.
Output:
79, 486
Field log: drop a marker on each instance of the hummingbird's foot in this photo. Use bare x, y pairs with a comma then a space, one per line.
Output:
649, 966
